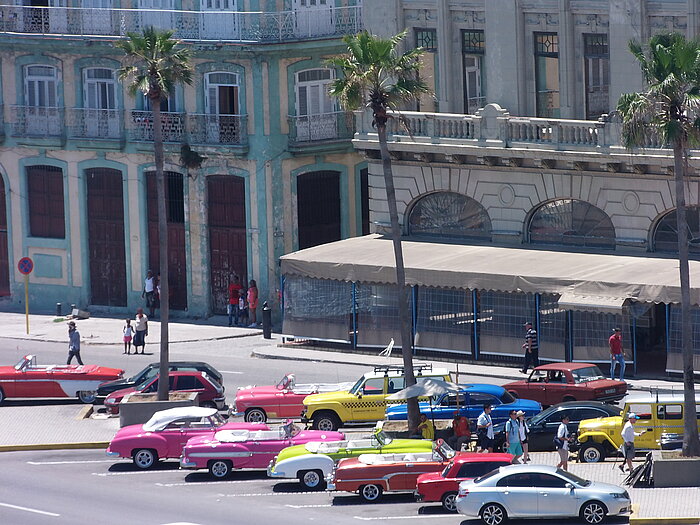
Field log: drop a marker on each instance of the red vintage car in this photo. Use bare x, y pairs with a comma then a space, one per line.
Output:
28, 379
556, 382
370, 475
443, 486
283, 400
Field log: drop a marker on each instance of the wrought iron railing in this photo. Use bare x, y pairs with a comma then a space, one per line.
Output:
217, 129
225, 26
36, 121
85, 123
304, 129
141, 126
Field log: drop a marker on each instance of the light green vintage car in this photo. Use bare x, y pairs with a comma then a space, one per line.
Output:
313, 462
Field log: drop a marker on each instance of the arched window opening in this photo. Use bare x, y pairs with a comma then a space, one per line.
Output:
665, 237
573, 223
449, 214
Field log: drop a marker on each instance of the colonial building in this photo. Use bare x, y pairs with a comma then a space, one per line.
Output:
510, 213
77, 191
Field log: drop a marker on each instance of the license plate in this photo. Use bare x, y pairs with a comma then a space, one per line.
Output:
610, 391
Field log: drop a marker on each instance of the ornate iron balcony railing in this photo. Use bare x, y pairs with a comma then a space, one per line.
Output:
304, 129
36, 121
217, 129
141, 126
85, 123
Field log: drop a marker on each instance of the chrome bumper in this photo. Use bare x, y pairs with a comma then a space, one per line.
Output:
111, 454
187, 464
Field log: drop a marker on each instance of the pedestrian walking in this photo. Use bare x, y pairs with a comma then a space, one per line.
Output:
425, 429
628, 435
141, 331
617, 354
73, 343
524, 432
562, 443
532, 349
513, 444
149, 292
252, 303
484, 430
461, 435
234, 296
128, 332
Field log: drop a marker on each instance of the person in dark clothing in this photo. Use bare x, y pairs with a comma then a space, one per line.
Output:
532, 349
73, 343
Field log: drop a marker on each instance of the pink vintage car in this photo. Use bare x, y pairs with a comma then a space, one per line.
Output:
235, 449
283, 400
167, 432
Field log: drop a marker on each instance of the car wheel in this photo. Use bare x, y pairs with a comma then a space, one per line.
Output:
2, 395
499, 446
326, 421
493, 514
591, 453
208, 404
593, 512
370, 493
312, 479
220, 468
255, 415
87, 396
449, 501
145, 458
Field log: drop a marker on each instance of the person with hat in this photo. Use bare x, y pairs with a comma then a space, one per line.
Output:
73, 343
628, 435
461, 434
617, 355
513, 444
531, 347
524, 431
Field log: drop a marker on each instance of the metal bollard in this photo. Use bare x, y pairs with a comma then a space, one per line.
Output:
59, 308
267, 321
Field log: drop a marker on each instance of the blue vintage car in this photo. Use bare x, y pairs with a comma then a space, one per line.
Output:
471, 403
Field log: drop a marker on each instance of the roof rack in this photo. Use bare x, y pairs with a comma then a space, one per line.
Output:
400, 368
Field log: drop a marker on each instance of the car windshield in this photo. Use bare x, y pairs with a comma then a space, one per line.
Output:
507, 397
144, 375
217, 420
447, 469
483, 478
381, 438
590, 373
356, 387
573, 478
538, 418
443, 450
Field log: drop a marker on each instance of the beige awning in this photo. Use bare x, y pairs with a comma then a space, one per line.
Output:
370, 259
588, 303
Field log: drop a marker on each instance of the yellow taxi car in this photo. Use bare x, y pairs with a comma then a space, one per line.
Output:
658, 416
366, 400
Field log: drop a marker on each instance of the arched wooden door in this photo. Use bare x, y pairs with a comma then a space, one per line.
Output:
228, 252
4, 259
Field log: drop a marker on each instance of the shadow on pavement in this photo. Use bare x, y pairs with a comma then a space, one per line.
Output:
237, 475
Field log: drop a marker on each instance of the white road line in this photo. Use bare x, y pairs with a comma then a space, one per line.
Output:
27, 509
276, 494
230, 372
307, 506
134, 472
419, 517
194, 483
70, 462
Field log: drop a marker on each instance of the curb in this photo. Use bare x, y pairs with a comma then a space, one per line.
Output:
55, 446
663, 521
90, 343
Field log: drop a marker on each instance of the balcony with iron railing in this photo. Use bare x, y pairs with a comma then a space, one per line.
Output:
219, 26
95, 124
172, 126
310, 130
37, 122
208, 129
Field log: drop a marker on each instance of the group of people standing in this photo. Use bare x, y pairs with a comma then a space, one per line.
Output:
136, 334
242, 304
516, 430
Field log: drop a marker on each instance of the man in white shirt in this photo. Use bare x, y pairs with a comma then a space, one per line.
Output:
628, 434
484, 430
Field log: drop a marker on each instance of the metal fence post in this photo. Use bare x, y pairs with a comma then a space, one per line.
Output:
354, 315
475, 328
414, 316
634, 343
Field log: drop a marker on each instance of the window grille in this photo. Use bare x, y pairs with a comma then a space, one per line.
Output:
473, 41
449, 214
571, 222
444, 319
427, 39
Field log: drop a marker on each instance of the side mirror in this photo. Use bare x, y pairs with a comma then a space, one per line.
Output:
569, 486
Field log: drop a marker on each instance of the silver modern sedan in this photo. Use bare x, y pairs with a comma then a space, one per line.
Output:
539, 491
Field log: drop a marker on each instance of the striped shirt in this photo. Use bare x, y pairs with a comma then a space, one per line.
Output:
531, 336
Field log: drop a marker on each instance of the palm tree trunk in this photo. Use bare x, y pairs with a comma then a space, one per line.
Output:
403, 290
691, 444
162, 250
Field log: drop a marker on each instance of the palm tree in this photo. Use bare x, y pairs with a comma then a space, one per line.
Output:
376, 76
154, 63
669, 109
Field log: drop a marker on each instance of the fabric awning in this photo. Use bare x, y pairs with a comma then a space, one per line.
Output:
587, 303
370, 259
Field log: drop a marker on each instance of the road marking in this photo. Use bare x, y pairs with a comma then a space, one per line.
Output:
134, 472
307, 506
230, 372
278, 494
192, 483
419, 517
27, 509
69, 462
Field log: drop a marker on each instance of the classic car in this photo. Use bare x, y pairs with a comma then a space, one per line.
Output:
543, 427
539, 491
365, 401
370, 475
556, 382
442, 486
283, 400
151, 371
470, 404
166, 433
28, 379
312, 463
211, 393
252, 449
659, 416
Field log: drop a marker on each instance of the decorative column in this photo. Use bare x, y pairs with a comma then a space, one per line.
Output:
445, 69
567, 63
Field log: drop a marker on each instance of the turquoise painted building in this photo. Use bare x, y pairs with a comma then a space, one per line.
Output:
77, 190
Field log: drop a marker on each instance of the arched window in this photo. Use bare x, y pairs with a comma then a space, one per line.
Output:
571, 222
666, 233
449, 214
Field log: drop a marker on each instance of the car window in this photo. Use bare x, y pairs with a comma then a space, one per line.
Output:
476, 469
669, 411
556, 417
396, 384
154, 385
579, 414
373, 386
146, 374
548, 481
189, 383
589, 373
516, 480
450, 400
643, 410
479, 398
507, 397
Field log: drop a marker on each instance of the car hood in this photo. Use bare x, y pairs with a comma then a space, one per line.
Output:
604, 487
253, 391
121, 392
429, 477
602, 423
397, 445
327, 396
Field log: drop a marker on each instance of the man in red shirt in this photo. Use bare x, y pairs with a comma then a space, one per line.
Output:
617, 355
234, 291
460, 432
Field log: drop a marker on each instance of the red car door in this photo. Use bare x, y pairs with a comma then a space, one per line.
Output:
556, 386
535, 388
407, 480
